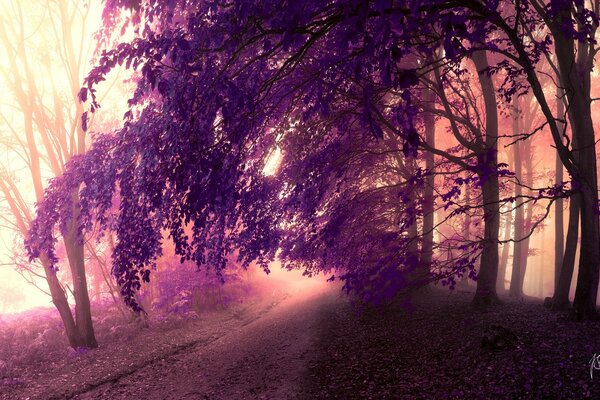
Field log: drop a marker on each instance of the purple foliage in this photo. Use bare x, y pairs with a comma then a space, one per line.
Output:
221, 84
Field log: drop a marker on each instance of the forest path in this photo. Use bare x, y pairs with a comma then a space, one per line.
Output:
315, 344
264, 359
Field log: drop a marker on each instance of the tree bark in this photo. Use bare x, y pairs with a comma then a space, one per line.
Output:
563, 286
59, 299
559, 234
508, 223
540, 283
428, 192
515, 277
527, 157
466, 232
75, 254
412, 250
575, 68
485, 293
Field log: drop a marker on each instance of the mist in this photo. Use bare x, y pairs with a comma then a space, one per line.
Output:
298, 200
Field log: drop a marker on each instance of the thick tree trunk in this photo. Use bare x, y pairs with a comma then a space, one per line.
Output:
485, 293
563, 286
488, 272
75, 254
584, 303
575, 61
59, 299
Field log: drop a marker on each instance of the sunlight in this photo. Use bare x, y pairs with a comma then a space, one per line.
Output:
273, 162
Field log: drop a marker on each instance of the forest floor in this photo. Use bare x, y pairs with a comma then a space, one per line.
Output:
316, 345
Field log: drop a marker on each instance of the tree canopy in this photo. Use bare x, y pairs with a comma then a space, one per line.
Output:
338, 88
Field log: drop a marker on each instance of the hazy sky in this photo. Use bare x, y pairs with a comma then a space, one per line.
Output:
37, 26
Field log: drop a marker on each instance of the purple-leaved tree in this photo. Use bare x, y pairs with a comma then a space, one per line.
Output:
221, 85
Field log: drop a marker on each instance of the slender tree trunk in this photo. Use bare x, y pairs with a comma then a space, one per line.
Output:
559, 234
428, 193
561, 294
485, 293
508, 221
108, 280
508, 224
541, 267
412, 250
466, 232
516, 284
527, 157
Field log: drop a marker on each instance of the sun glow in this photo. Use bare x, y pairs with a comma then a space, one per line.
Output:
273, 162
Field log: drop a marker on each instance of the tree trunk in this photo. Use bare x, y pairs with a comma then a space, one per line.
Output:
488, 271
412, 250
428, 193
59, 299
485, 293
516, 284
75, 254
574, 64
561, 294
527, 157
559, 234
508, 223
584, 303
541, 267
466, 232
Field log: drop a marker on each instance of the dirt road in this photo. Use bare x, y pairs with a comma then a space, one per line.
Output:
264, 359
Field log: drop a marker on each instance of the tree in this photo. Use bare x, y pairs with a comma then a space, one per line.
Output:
506, 238
429, 190
217, 92
52, 135
559, 232
573, 28
560, 300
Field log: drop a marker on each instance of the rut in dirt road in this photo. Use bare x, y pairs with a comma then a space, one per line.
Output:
265, 359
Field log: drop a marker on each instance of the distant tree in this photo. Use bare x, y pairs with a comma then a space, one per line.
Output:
559, 230
506, 236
